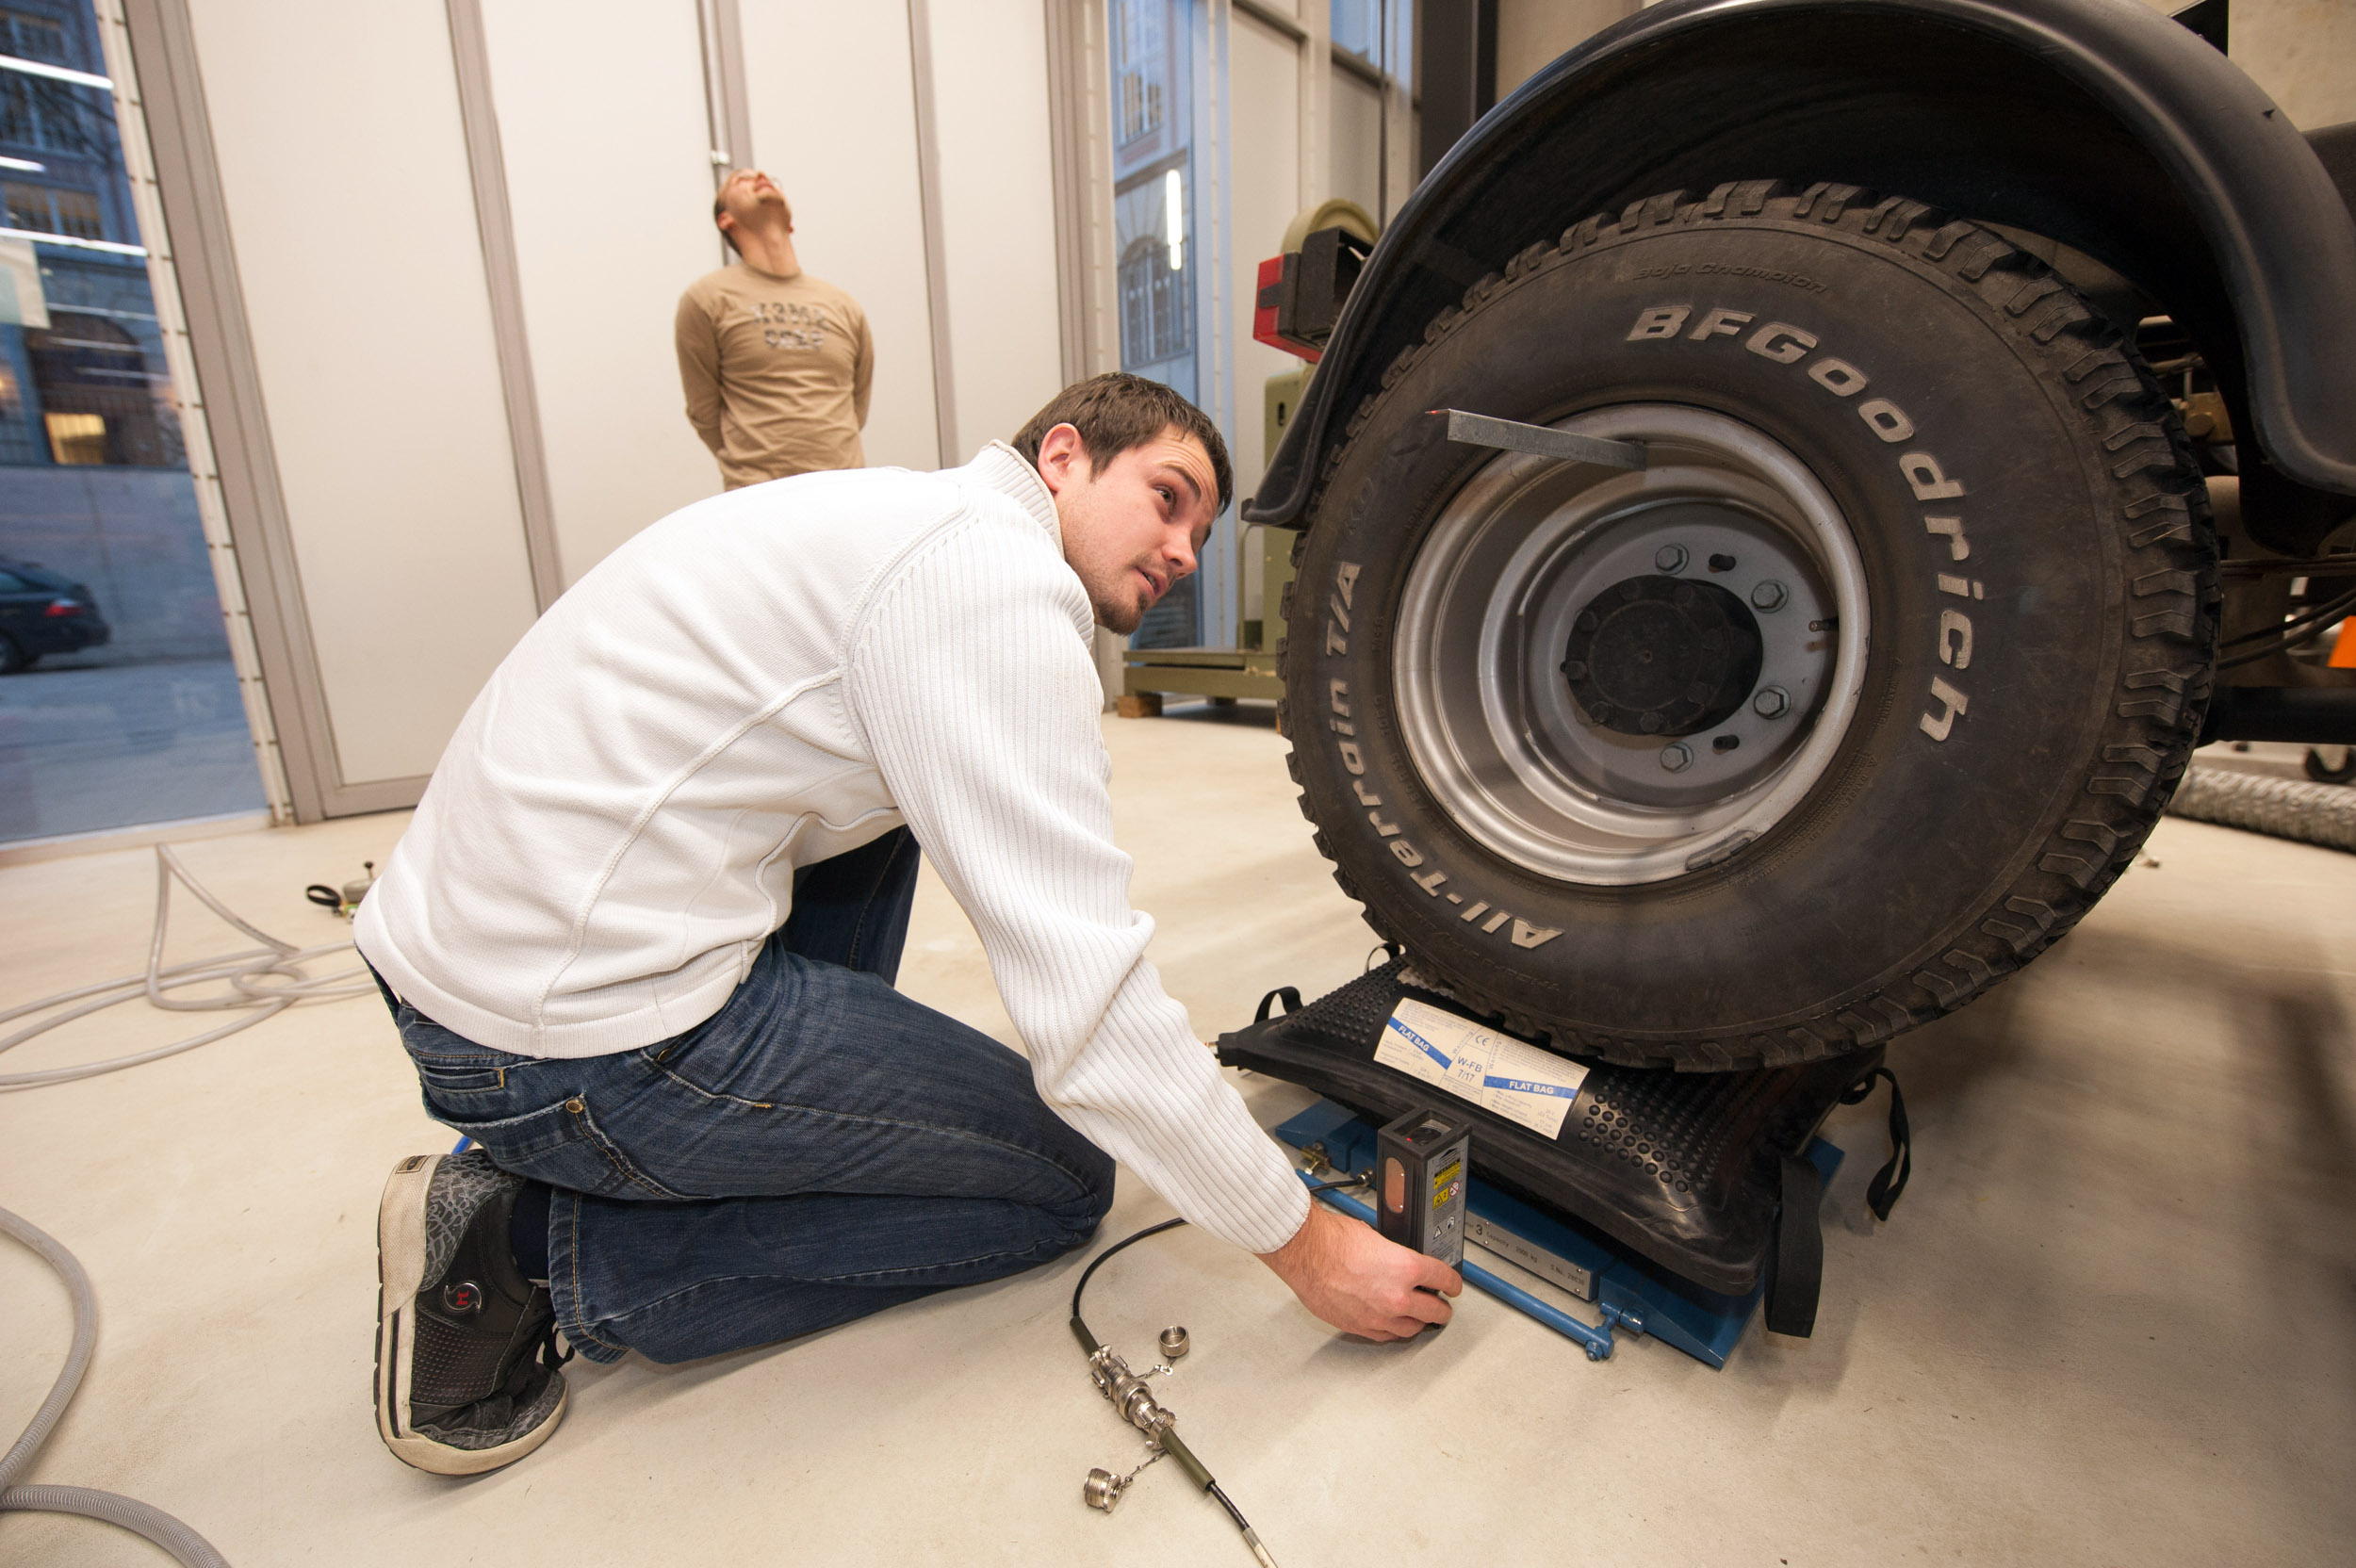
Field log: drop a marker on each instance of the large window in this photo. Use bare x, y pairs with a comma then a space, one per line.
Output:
41, 112
1154, 315
1154, 178
46, 210
1141, 68
119, 704
99, 399
34, 37
1359, 28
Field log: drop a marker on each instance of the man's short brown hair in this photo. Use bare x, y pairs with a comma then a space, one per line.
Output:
1117, 411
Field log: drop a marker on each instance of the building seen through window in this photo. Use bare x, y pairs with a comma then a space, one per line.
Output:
123, 708
1154, 315
1141, 68
46, 210
1358, 26
79, 337
1155, 179
34, 37
100, 401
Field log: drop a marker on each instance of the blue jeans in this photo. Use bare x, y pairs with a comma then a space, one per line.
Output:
818, 1150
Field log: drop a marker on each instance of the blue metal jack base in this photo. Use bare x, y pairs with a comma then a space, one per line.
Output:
1629, 1292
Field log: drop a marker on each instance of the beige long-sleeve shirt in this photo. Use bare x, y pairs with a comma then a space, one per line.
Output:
776, 372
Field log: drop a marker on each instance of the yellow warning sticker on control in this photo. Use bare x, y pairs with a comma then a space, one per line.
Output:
1446, 1182
1494, 1071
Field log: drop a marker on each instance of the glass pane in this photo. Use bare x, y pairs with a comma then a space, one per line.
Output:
1359, 26
1154, 184
118, 702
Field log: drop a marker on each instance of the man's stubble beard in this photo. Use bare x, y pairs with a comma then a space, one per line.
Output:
1112, 617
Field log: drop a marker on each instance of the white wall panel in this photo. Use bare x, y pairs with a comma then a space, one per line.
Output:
1356, 144
833, 111
997, 186
2303, 53
609, 184
1530, 33
1263, 195
344, 167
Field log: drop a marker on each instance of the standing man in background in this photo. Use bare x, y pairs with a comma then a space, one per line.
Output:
776, 365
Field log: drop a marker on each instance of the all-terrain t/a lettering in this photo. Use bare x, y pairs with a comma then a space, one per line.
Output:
1337, 627
1341, 722
2105, 588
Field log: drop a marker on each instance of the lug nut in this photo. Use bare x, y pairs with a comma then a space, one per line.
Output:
1676, 757
1671, 559
1768, 595
1772, 702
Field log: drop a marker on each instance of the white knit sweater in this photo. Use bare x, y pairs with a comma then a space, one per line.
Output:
771, 677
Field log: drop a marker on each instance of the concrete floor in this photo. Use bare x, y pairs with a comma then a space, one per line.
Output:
2113, 1322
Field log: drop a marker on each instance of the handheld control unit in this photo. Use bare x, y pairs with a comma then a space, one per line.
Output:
1422, 1164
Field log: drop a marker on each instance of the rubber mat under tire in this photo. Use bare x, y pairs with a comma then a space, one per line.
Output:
2034, 547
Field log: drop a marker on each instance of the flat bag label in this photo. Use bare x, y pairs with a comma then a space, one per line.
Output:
1494, 1071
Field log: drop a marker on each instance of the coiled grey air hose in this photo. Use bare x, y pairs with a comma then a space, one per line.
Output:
129, 1513
263, 982
2285, 808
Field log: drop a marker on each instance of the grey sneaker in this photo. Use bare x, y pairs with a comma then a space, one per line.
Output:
466, 1376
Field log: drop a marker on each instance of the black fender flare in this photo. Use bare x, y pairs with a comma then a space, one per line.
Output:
2100, 123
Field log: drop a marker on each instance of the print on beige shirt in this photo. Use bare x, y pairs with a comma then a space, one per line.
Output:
776, 371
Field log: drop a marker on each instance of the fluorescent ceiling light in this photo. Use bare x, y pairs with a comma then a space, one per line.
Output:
55, 73
106, 245
1174, 219
26, 164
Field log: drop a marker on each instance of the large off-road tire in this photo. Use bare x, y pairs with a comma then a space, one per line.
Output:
1841, 710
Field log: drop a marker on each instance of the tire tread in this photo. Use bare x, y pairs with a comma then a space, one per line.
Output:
2162, 519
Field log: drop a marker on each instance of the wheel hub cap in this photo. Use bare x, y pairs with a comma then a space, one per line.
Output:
1654, 655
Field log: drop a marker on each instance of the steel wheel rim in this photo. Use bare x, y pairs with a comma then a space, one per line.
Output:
1496, 592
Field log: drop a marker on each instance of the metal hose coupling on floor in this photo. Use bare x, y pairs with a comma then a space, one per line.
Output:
2285, 808
129, 1513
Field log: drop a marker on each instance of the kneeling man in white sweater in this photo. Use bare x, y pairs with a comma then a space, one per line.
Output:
640, 938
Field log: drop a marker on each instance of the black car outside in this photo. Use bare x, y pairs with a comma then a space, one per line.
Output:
42, 613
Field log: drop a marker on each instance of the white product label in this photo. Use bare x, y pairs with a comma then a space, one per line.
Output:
1494, 1071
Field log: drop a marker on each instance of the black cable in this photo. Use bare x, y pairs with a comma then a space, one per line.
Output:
2339, 604
1098, 1262
1080, 1327
2264, 650
1089, 1346
2285, 635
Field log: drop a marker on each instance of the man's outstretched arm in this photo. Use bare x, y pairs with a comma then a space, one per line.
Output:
973, 682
